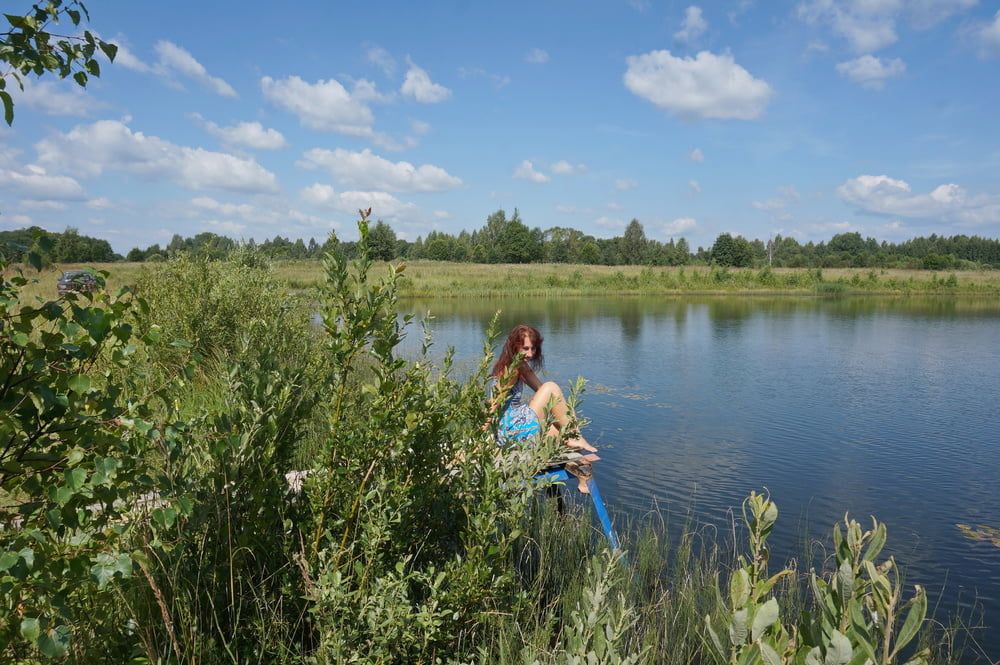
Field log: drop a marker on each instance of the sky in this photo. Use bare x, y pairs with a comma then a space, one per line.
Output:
804, 119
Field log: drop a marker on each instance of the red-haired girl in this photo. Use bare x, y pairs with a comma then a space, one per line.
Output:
520, 420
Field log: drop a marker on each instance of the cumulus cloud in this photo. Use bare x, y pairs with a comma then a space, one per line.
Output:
536, 56
869, 25
367, 170
526, 171
625, 184
987, 36
325, 105
226, 226
706, 86
871, 72
56, 98
35, 183
679, 226
697, 155
693, 26
882, 195
695, 186
89, 150
176, 60
244, 210
498, 80
562, 167
610, 223
419, 87
244, 134
382, 59
127, 59
384, 204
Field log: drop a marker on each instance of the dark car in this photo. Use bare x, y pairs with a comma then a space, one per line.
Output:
76, 281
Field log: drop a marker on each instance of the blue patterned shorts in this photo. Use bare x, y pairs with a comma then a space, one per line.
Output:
517, 424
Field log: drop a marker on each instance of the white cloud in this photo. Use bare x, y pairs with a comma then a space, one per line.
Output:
382, 59
243, 210
536, 56
367, 170
614, 205
175, 59
695, 186
611, 223
869, 25
697, 155
325, 105
127, 59
562, 167
36, 184
383, 204
871, 72
89, 150
420, 88
882, 195
706, 86
14, 221
498, 80
56, 98
625, 184
244, 134
100, 203
693, 26
526, 171
441, 214
987, 36
36, 204
679, 226
366, 91
226, 226
420, 127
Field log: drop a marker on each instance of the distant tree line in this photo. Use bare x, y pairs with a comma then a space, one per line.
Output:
506, 239
66, 247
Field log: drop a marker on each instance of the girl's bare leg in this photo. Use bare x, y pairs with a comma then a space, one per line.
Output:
550, 390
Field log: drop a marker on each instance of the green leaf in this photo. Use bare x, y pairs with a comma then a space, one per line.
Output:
54, 643
765, 617
107, 566
918, 610
74, 16
79, 383
81, 79
714, 636
30, 628
20, 339
876, 544
8, 107
845, 579
75, 478
739, 588
7, 559
35, 259
738, 628
839, 651
110, 50
769, 655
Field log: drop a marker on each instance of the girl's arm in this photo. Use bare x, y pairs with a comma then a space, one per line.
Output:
528, 376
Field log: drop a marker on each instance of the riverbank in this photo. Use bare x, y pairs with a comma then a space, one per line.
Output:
437, 278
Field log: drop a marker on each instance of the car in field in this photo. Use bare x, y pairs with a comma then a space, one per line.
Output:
76, 281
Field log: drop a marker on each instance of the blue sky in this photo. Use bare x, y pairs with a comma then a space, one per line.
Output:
804, 118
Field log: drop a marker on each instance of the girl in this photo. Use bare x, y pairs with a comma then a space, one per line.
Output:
520, 420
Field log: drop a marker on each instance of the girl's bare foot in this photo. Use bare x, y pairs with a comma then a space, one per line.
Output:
581, 443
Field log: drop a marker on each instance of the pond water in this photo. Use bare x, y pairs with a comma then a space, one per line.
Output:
872, 406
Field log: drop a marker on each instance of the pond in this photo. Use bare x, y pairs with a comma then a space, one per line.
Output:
872, 406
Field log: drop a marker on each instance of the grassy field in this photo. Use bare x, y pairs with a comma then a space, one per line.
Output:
432, 278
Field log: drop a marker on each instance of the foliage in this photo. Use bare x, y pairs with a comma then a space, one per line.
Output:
210, 303
29, 47
67, 247
857, 614
74, 426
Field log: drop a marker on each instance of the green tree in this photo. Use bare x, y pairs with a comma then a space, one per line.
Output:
30, 48
729, 251
382, 242
634, 243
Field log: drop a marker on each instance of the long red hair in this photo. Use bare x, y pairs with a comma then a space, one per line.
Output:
513, 346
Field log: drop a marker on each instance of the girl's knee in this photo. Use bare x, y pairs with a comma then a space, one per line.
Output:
552, 387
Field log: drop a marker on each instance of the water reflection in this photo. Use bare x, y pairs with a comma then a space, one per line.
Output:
877, 406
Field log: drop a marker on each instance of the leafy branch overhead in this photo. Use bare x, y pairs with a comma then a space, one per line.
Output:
30, 47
